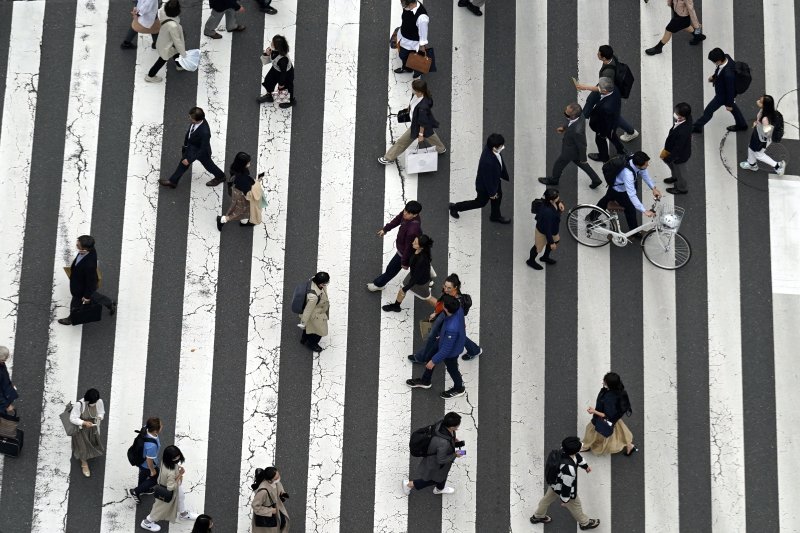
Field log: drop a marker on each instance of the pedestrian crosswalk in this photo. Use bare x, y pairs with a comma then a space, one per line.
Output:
203, 336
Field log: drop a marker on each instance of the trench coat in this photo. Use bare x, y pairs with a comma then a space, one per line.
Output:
262, 505
316, 312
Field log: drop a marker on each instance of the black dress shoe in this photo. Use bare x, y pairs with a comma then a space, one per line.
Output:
113, 309
670, 180
548, 260
265, 98
501, 220
215, 181
737, 128
596, 157
65, 321
401, 70
548, 181
674, 190
167, 183
269, 10
475, 10
595, 184
453, 211
463, 3
128, 45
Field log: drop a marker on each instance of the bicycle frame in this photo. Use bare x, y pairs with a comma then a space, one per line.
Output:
615, 234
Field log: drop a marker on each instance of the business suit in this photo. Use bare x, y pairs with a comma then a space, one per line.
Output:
679, 146
573, 150
487, 184
604, 120
83, 281
724, 95
197, 147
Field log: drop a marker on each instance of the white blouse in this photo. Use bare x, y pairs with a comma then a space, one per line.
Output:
80, 406
147, 9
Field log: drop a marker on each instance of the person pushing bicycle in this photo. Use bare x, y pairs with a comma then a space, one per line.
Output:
623, 191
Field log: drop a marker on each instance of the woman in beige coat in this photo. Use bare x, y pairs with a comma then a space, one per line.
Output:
268, 501
683, 18
170, 477
314, 319
170, 43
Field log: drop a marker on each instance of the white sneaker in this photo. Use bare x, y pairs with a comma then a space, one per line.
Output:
747, 166
781, 168
446, 490
153, 79
406, 488
188, 515
150, 526
374, 288
627, 137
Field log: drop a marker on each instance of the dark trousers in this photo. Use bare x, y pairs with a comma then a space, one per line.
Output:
420, 484
97, 298
712, 107
481, 200
158, 65
264, 3
562, 162
310, 339
624, 200
145, 481
207, 163
601, 140
679, 173
130, 37
392, 269
452, 368
428, 350
271, 80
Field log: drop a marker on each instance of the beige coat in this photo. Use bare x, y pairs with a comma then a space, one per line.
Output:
162, 510
316, 313
265, 495
170, 37
254, 198
684, 8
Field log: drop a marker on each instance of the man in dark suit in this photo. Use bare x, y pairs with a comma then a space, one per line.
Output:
724, 80
196, 147
491, 169
604, 120
83, 279
573, 147
678, 148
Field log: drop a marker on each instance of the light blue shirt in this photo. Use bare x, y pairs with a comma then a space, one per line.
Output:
151, 450
626, 182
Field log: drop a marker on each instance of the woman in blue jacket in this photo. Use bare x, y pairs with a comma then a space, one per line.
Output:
548, 220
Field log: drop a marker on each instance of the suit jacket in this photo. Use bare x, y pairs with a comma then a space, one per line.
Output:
423, 116
679, 143
199, 144
490, 172
725, 83
222, 5
573, 143
605, 114
83, 281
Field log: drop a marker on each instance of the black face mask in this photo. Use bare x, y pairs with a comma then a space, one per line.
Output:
568, 117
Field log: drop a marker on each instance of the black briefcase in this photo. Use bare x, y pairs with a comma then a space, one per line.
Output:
91, 312
12, 446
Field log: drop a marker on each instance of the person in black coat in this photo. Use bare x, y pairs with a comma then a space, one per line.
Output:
83, 279
8, 393
280, 74
229, 8
423, 124
573, 147
491, 169
605, 119
724, 80
678, 148
548, 220
196, 147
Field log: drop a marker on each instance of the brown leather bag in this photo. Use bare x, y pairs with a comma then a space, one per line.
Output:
138, 28
419, 62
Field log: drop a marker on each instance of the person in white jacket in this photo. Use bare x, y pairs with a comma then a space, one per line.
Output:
87, 415
145, 16
171, 44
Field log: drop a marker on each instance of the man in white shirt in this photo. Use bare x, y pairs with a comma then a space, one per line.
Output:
413, 33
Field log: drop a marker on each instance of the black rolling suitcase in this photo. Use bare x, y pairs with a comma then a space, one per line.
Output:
11, 436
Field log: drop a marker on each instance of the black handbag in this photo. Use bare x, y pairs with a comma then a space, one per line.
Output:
267, 521
404, 115
83, 314
160, 492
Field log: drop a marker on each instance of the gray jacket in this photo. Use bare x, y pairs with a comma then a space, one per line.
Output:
442, 453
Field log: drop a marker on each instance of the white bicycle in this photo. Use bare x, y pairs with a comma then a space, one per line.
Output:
661, 243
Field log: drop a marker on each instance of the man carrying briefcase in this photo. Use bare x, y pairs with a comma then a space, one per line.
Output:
87, 303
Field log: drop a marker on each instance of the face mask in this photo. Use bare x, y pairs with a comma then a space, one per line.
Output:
675, 117
500, 149
568, 117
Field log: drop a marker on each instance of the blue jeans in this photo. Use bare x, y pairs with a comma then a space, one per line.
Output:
427, 350
392, 269
712, 107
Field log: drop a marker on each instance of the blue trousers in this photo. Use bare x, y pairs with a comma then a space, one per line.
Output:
712, 107
427, 350
392, 269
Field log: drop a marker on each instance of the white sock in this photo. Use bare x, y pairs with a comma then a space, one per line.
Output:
244, 221
224, 219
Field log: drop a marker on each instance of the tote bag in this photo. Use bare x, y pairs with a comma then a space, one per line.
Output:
422, 160
69, 428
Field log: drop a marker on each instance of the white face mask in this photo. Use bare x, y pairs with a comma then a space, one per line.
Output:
499, 149
675, 117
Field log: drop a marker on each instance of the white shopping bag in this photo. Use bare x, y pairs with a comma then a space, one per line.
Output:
190, 61
422, 160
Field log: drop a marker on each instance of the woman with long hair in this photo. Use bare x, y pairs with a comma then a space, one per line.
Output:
281, 72
240, 184
763, 128
606, 432
203, 524
419, 276
170, 482
269, 512
87, 415
314, 320
423, 124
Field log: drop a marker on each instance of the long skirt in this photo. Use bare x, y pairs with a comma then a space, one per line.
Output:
240, 207
600, 445
86, 442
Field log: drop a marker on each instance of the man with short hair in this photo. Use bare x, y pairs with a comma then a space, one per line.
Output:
441, 454
413, 33
573, 147
83, 280
474, 6
566, 487
148, 469
491, 170
604, 120
410, 228
624, 189
724, 80
196, 147
678, 148
220, 8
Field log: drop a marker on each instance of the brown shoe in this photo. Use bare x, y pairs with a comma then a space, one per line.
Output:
65, 321
167, 183
240, 27
215, 182
214, 35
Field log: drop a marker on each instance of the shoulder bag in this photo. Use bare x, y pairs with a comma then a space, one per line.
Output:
69, 428
160, 492
267, 521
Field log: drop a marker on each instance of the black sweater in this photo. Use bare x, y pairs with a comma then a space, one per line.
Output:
420, 266
548, 220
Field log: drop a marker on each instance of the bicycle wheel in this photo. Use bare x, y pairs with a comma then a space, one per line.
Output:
669, 251
584, 220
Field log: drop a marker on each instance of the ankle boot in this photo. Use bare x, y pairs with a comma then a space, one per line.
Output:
531, 262
655, 50
546, 257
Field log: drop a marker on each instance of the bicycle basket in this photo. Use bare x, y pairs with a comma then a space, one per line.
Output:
669, 219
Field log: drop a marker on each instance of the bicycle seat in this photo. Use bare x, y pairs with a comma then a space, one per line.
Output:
614, 206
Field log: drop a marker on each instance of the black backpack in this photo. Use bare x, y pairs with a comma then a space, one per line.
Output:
301, 290
553, 466
743, 78
136, 451
420, 441
536, 205
623, 79
613, 167
466, 303
777, 127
